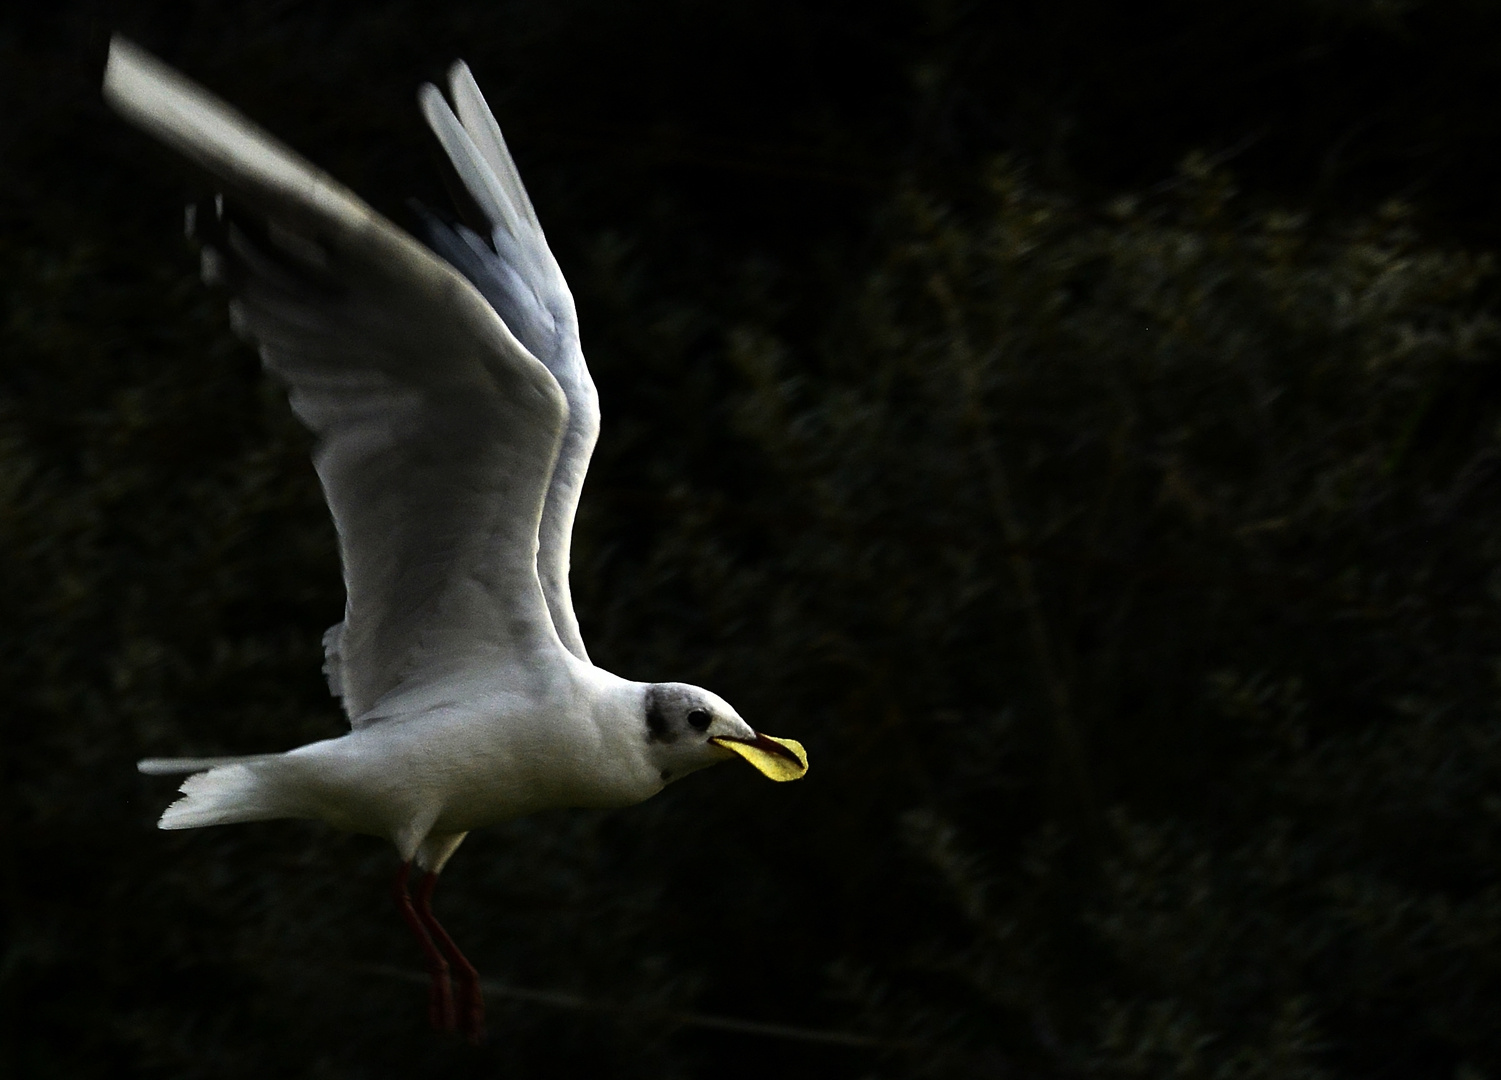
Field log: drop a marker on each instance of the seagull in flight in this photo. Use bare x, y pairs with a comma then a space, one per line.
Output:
454, 417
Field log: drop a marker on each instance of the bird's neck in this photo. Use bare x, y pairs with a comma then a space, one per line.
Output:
617, 715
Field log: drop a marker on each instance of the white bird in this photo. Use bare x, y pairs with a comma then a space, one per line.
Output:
455, 418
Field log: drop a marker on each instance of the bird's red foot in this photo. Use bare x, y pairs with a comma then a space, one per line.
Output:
472, 1007
440, 1010
471, 1010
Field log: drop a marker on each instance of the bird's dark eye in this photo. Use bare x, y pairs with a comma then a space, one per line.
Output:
698, 719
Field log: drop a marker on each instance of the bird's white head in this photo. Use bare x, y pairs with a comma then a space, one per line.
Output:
688, 728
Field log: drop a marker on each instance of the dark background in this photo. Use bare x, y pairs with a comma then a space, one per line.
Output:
1078, 423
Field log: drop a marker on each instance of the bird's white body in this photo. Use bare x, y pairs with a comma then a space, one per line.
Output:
451, 758
455, 418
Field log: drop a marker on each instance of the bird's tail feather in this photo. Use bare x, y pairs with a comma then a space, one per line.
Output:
223, 790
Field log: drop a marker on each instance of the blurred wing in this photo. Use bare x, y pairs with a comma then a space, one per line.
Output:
437, 431
515, 271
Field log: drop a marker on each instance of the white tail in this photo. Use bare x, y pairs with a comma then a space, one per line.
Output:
228, 791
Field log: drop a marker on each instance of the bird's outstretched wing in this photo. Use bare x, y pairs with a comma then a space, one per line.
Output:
515, 270
437, 430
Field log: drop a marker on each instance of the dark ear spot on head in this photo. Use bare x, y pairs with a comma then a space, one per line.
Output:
657, 727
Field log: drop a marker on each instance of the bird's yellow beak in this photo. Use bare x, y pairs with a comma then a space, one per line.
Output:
775, 759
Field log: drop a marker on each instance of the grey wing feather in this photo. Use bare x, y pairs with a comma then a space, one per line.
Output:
437, 430
515, 270
475, 115
333, 659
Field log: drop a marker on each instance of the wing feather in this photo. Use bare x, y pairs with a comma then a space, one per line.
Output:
437, 430
514, 269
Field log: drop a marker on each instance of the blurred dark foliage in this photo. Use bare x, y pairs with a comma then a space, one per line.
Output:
1079, 423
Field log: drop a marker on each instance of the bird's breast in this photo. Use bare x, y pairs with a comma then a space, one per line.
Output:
489, 769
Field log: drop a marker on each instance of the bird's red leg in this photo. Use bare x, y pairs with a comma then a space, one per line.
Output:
471, 999
440, 996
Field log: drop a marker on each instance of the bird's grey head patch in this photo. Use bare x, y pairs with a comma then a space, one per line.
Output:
683, 727
673, 710
657, 727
